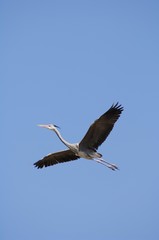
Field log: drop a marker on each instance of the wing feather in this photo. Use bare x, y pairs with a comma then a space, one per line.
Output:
100, 129
54, 158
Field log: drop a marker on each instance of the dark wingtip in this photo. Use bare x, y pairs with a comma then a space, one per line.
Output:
117, 106
36, 165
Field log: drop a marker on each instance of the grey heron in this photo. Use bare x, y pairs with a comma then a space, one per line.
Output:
87, 147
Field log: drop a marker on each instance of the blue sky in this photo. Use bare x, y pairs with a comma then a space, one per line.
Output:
66, 62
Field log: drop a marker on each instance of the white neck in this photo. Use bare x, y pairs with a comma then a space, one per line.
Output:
61, 138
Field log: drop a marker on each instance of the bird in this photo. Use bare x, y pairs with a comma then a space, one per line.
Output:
88, 146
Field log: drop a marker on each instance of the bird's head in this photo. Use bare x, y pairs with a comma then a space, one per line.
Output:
48, 126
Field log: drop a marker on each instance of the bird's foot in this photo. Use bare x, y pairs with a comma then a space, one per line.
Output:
112, 166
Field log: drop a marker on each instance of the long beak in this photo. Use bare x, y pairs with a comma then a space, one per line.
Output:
43, 125
47, 126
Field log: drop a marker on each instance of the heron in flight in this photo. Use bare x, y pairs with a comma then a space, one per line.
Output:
87, 147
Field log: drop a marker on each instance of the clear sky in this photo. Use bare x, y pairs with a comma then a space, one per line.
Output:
66, 62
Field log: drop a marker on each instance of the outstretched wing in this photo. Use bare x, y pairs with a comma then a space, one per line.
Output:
54, 158
100, 129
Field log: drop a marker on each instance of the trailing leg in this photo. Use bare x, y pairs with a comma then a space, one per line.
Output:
107, 164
